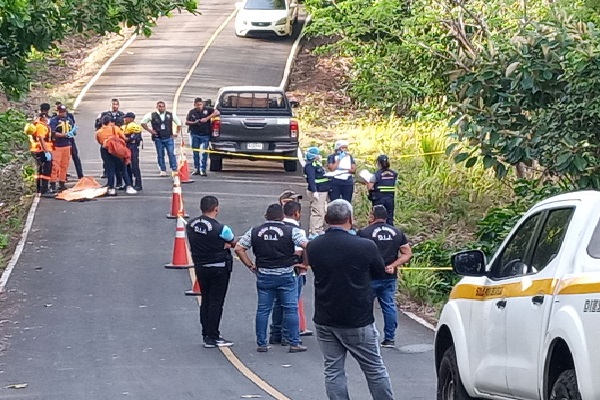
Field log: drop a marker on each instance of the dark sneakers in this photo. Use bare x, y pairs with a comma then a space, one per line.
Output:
298, 349
196, 172
202, 173
262, 349
220, 342
388, 343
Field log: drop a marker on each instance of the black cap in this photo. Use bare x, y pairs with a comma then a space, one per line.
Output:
44, 107
61, 108
129, 115
382, 158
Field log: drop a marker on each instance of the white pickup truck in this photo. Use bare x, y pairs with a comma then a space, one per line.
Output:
526, 324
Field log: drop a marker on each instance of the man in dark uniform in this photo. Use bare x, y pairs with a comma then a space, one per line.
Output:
63, 130
395, 251
117, 117
210, 242
273, 244
382, 186
199, 122
133, 138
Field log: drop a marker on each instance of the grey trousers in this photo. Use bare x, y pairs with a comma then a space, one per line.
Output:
362, 344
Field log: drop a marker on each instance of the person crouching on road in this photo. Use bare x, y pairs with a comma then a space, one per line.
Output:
292, 213
382, 186
199, 122
317, 191
342, 164
112, 163
133, 138
63, 129
343, 265
161, 128
395, 251
273, 244
210, 242
41, 148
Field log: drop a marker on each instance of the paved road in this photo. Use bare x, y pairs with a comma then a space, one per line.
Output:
90, 312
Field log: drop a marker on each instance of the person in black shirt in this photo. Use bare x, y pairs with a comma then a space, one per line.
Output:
395, 250
210, 243
199, 122
344, 266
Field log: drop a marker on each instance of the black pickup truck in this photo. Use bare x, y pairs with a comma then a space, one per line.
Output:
254, 120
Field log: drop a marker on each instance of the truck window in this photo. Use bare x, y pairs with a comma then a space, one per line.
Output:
593, 248
551, 238
512, 261
253, 100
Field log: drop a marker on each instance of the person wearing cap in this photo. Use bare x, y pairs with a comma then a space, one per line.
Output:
198, 121
74, 150
133, 139
395, 251
117, 118
317, 191
63, 129
273, 244
382, 187
342, 167
344, 266
161, 128
289, 195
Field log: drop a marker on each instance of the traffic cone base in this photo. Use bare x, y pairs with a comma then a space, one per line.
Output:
195, 289
184, 170
181, 255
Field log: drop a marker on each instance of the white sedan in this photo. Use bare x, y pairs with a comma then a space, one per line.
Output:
256, 16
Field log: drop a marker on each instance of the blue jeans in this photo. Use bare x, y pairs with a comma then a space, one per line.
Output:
200, 142
162, 145
283, 287
278, 330
362, 344
385, 292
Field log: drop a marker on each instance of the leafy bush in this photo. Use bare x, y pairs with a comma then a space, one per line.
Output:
13, 143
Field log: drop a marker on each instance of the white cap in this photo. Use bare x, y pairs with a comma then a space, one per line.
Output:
341, 143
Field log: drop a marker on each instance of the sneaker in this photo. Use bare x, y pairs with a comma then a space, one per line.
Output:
262, 349
210, 343
388, 343
138, 188
48, 194
130, 190
196, 172
121, 187
221, 342
111, 192
103, 175
297, 349
306, 332
163, 173
202, 173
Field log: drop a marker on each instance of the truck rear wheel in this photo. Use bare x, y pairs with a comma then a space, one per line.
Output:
290, 165
565, 387
450, 386
216, 163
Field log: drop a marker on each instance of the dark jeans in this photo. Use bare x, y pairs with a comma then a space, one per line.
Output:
343, 191
385, 292
283, 287
362, 344
200, 142
167, 144
76, 159
388, 203
277, 330
113, 164
44, 172
213, 283
133, 169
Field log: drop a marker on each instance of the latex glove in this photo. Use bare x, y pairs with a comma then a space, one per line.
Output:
342, 154
316, 195
73, 132
70, 134
48, 156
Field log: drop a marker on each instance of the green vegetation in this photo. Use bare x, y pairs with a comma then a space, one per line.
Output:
508, 89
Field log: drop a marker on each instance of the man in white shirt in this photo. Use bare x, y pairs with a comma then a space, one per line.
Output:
161, 128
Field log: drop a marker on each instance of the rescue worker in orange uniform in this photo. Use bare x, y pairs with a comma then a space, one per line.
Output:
41, 147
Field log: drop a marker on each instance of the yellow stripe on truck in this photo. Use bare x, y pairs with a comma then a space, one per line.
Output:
525, 288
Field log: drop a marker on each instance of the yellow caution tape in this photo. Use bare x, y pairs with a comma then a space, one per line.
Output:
244, 155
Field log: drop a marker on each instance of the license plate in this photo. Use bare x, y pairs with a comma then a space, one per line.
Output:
254, 146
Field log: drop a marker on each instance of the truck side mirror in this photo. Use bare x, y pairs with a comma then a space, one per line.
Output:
294, 104
469, 263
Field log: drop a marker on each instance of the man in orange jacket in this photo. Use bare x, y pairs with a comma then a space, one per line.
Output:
41, 149
111, 162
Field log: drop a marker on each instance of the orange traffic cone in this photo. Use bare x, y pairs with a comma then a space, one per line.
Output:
301, 315
177, 200
184, 170
196, 291
181, 254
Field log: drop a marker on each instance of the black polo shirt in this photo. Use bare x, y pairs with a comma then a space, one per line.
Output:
202, 128
388, 239
343, 265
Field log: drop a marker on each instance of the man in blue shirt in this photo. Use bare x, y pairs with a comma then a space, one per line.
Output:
210, 244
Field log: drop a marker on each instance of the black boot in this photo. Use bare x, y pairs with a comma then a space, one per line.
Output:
61, 186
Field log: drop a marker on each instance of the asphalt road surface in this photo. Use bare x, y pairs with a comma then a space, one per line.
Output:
89, 311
